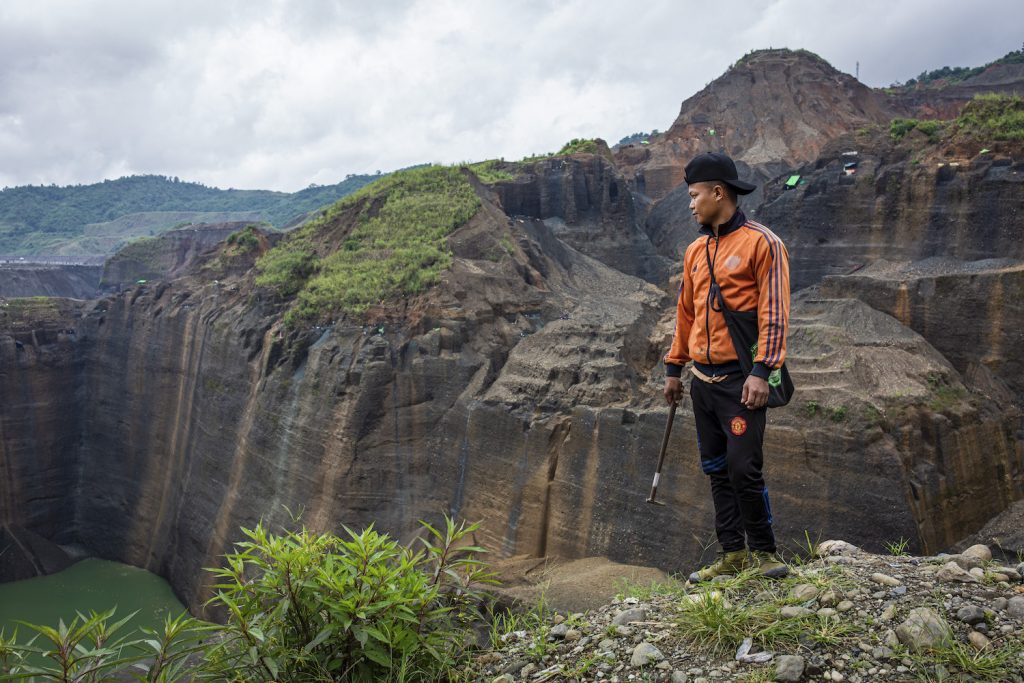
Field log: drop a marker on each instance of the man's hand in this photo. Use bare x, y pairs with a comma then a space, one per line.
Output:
673, 390
755, 393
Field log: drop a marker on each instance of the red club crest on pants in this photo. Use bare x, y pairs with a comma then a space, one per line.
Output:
738, 426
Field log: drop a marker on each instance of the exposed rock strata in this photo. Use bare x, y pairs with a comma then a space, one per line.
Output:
905, 203
165, 257
970, 311
524, 395
586, 203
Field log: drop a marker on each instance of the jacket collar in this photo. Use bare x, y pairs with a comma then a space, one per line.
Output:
731, 225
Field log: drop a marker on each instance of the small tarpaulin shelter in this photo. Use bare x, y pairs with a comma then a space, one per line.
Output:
793, 180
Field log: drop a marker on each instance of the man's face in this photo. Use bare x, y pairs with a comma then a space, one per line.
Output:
706, 202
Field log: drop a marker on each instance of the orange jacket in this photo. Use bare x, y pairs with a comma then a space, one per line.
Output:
752, 268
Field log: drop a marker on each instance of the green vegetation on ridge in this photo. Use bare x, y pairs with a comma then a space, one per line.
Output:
994, 117
579, 146
949, 75
990, 117
397, 247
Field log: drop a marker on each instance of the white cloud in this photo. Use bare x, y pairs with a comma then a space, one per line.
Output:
280, 93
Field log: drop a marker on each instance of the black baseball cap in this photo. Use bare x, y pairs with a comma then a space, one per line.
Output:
714, 166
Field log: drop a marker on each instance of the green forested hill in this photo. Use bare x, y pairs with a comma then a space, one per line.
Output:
44, 220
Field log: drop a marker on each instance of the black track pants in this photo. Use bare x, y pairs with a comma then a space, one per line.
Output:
729, 438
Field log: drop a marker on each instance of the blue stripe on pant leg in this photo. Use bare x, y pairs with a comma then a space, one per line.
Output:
767, 505
713, 465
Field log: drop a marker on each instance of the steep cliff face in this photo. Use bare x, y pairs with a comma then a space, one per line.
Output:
165, 257
905, 202
586, 202
970, 312
523, 392
40, 399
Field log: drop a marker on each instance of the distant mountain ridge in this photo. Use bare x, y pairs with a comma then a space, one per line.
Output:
38, 220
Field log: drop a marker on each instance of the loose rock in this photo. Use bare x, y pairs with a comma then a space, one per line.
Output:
885, 579
1015, 607
645, 654
978, 640
979, 551
804, 592
923, 629
789, 668
629, 615
970, 614
951, 572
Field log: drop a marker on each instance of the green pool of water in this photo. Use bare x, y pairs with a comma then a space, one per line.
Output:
87, 585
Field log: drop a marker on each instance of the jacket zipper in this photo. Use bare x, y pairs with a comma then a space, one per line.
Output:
707, 301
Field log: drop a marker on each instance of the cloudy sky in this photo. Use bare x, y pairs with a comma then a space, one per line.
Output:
278, 94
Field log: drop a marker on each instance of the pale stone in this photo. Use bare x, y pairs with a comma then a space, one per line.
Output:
1010, 574
979, 551
804, 592
885, 579
835, 547
951, 572
923, 629
795, 612
645, 654
966, 562
845, 606
978, 640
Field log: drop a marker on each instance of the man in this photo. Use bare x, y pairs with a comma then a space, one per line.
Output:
750, 265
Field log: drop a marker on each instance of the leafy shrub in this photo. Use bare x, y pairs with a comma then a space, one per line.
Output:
307, 607
91, 649
899, 128
994, 117
491, 171
301, 608
578, 146
245, 239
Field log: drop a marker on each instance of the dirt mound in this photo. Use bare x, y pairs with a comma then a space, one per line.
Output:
570, 585
773, 108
